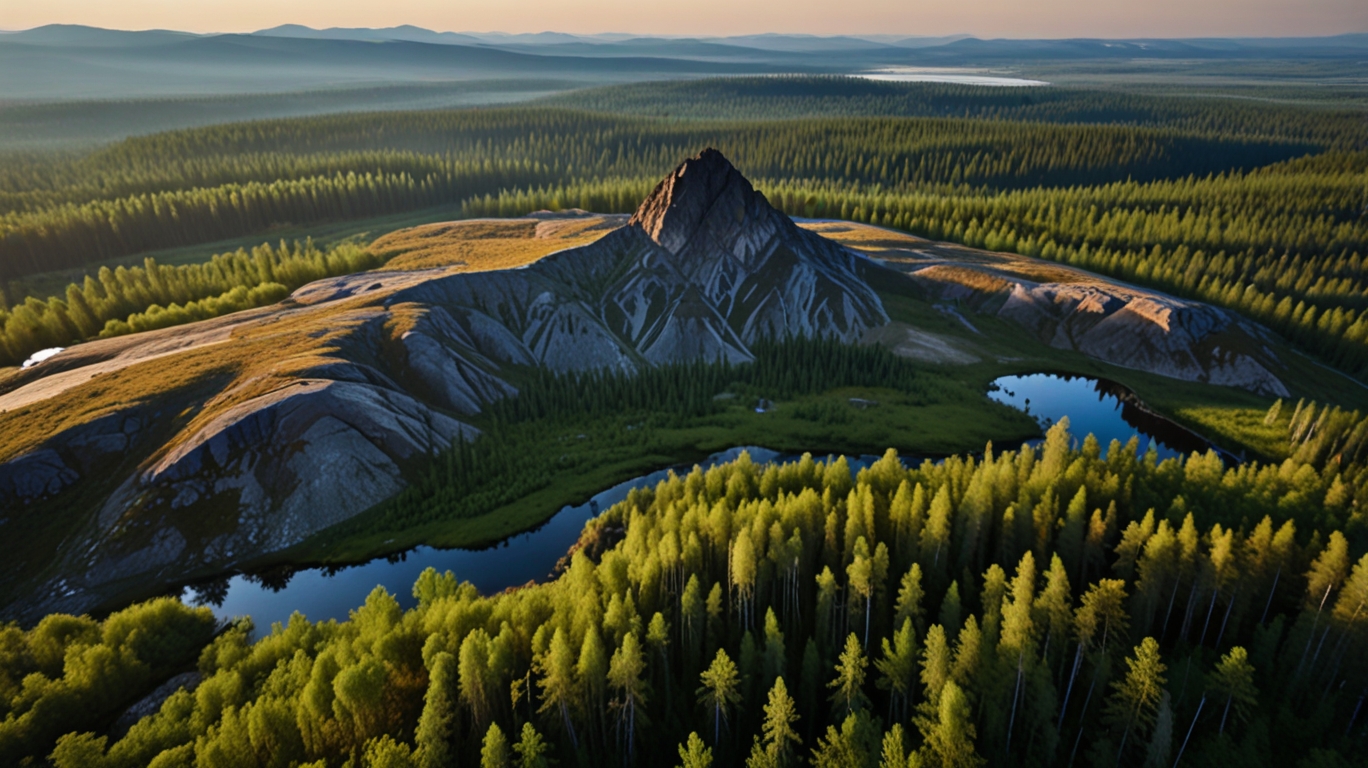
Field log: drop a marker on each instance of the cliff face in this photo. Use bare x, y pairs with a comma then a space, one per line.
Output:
392, 365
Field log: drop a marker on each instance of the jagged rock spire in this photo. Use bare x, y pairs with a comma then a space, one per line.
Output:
704, 195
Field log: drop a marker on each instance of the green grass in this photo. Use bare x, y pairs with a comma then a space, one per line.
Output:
602, 458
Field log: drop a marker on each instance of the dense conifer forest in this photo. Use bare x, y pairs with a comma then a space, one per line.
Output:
1253, 206
123, 300
1046, 606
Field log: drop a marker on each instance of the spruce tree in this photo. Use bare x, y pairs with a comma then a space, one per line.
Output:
775, 749
437, 724
494, 751
1134, 703
719, 691
847, 689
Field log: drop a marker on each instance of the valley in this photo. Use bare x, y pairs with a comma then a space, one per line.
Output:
409, 399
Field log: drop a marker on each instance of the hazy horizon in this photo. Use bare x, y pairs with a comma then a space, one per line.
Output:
1057, 19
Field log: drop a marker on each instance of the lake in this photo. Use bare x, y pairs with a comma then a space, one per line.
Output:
1095, 406
322, 594
946, 75
1099, 407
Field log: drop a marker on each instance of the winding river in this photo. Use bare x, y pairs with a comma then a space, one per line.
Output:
1095, 406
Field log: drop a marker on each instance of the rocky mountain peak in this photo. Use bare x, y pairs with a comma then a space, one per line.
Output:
705, 194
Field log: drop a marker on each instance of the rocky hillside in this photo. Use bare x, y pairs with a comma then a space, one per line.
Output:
200, 447
1072, 309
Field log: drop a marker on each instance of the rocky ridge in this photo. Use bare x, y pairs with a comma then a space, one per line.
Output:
703, 269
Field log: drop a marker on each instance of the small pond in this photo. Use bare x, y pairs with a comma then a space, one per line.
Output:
1099, 407
1102, 408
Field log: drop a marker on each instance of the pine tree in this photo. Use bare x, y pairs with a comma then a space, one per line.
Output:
936, 664
474, 677
910, 595
560, 690
776, 658
494, 752
894, 752
898, 668
779, 736
848, 687
1233, 680
437, 725
625, 676
1134, 704
948, 738
695, 754
720, 690
532, 749
1161, 742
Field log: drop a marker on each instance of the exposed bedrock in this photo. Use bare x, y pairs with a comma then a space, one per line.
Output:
1122, 325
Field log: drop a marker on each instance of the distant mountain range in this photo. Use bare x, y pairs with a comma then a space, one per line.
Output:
79, 62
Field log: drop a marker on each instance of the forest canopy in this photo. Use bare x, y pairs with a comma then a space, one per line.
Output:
1045, 606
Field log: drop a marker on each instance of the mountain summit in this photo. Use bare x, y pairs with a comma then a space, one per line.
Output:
705, 203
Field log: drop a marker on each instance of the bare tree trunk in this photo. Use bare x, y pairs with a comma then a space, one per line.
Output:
1187, 612
1081, 719
1124, 735
1271, 590
1196, 715
1169, 612
1314, 626
1226, 620
569, 726
1207, 624
1353, 717
1016, 696
1078, 658
868, 598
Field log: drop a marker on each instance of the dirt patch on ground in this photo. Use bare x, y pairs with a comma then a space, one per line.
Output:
481, 245
916, 344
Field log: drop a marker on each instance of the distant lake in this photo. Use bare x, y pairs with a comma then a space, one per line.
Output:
941, 75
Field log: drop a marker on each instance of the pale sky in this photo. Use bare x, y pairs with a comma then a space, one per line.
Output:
983, 18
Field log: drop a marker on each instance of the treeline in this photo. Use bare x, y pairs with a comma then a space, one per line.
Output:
509, 460
72, 235
805, 96
1048, 606
206, 184
125, 300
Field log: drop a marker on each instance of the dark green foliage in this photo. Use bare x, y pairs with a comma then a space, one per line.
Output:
1255, 207
206, 184
69, 674
1040, 673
